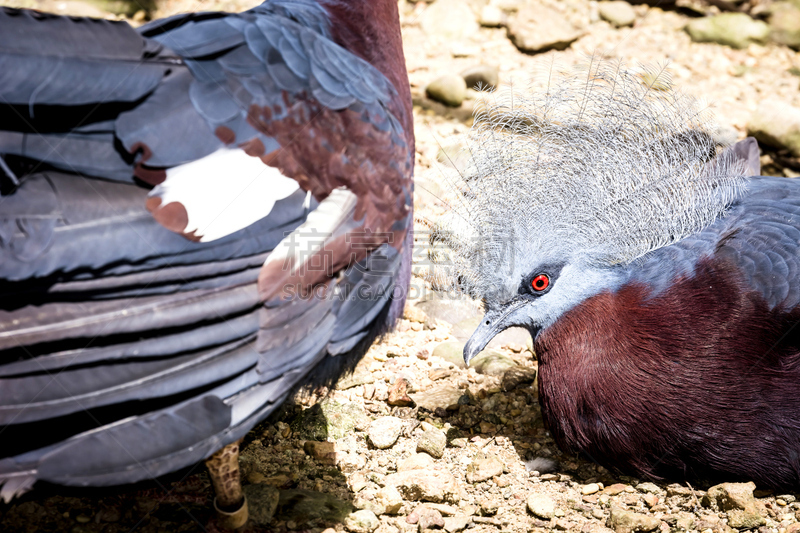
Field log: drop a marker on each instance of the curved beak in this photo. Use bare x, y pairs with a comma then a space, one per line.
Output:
492, 324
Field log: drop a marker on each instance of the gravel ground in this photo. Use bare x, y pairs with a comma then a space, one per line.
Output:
413, 440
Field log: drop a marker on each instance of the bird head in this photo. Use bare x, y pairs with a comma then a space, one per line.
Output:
567, 186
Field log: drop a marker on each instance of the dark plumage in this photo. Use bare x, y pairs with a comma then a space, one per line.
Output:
277, 149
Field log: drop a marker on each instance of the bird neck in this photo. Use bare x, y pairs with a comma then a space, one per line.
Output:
371, 30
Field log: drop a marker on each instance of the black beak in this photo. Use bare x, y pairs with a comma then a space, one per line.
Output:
492, 324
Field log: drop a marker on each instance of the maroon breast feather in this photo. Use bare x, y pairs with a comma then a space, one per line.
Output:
643, 383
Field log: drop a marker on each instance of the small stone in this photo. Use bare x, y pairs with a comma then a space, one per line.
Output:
647, 487
516, 376
385, 501
738, 502
82, 519
449, 90
539, 28
685, 523
362, 521
616, 488
784, 23
481, 77
416, 462
617, 13
492, 363
541, 506
454, 524
591, 488
492, 17
727, 496
398, 393
432, 442
449, 20
650, 499
324, 452
109, 514
444, 396
488, 506
262, 501
451, 352
305, 506
484, 466
426, 516
329, 419
384, 431
414, 314
438, 373
425, 485
736, 30
360, 376
390, 500
776, 124
624, 521
678, 490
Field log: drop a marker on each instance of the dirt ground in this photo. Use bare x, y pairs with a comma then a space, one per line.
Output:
466, 446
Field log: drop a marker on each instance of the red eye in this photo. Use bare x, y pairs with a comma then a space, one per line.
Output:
540, 282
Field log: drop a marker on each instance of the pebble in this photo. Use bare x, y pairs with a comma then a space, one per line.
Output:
398, 393
492, 17
738, 502
453, 524
432, 441
415, 462
426, 516
488, 506
624, 521
324, 452
481, 77
591, 488
384, 431
736, 30
541, 506
425, 485
776, 124
450, 20
451, 352
362, 521
784, 22
539, 27
386, 500
449, 89
444, 396
305, 506
484, 466
647, 487
492, 363
618, 13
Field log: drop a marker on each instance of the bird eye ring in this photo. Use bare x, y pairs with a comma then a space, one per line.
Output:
540, 282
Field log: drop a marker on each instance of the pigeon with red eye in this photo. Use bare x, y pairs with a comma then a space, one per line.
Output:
657, 271
196, 217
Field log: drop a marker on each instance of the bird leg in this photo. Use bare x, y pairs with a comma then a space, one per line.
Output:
230, 503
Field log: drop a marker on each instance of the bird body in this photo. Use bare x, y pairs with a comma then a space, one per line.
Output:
196, 216
658, 281
686, 368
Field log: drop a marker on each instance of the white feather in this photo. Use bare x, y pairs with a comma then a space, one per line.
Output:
224, 192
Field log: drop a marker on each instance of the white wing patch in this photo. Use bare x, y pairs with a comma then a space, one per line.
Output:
220, 193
